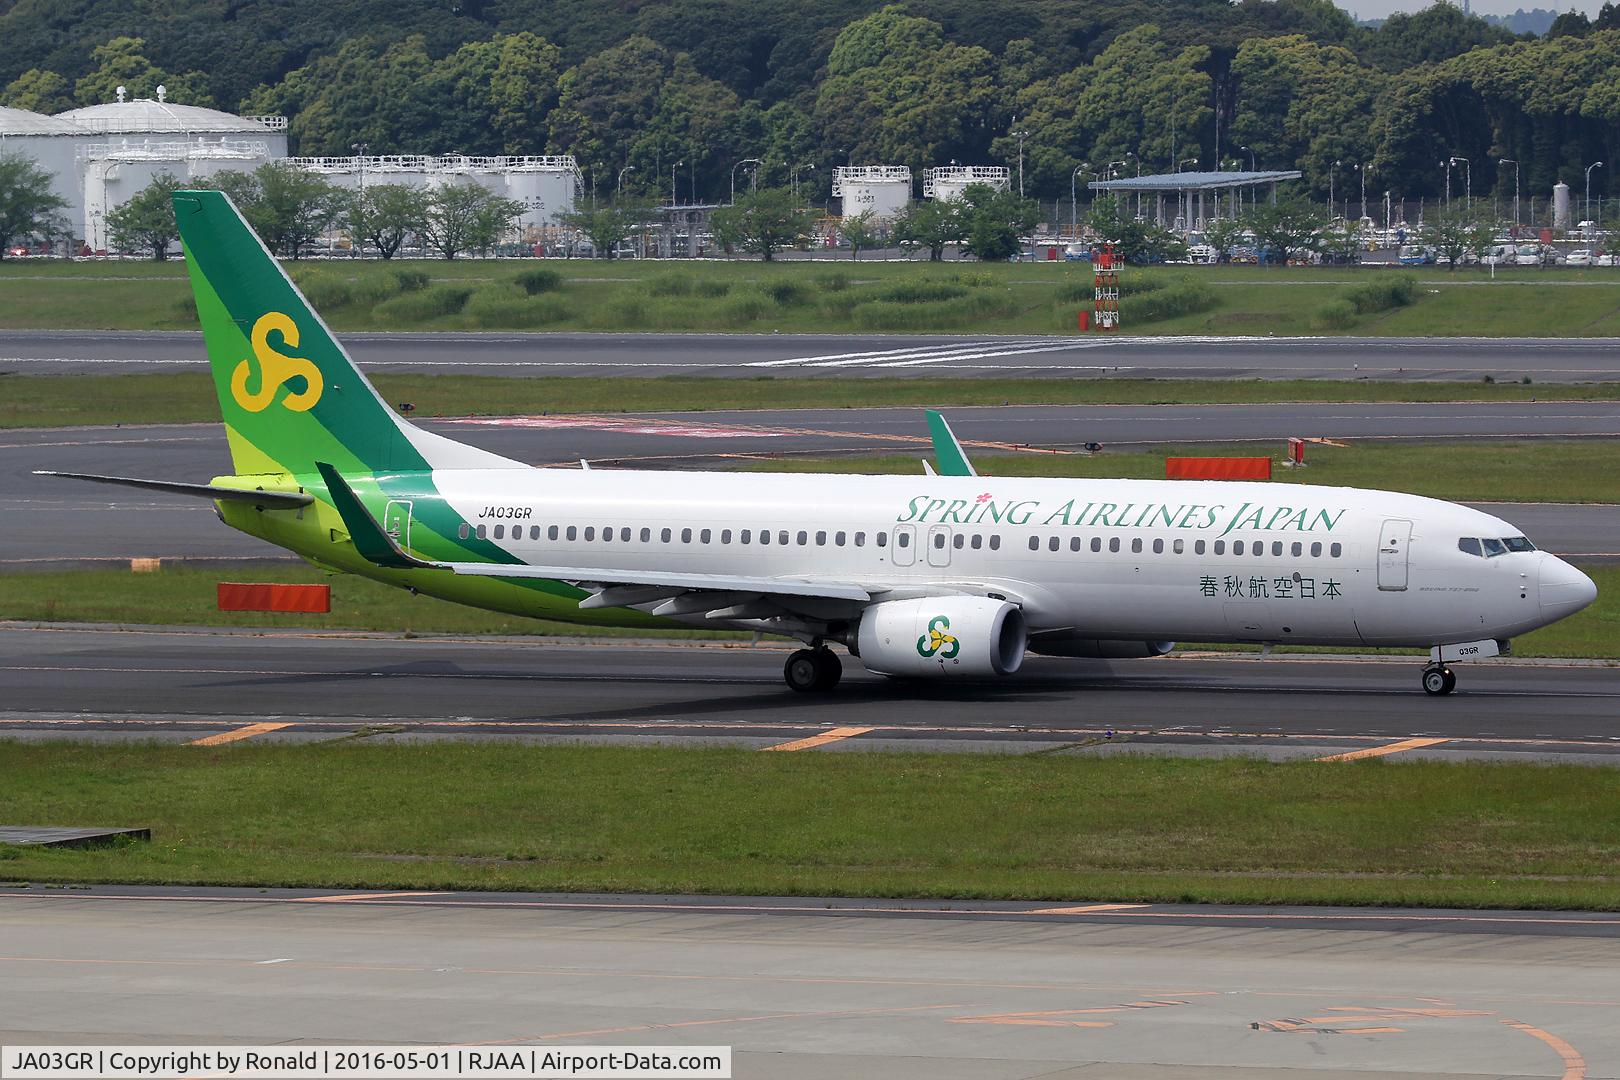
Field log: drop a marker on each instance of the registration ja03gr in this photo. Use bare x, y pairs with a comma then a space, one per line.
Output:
364, 1062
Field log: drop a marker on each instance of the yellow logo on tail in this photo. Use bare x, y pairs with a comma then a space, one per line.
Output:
275, 369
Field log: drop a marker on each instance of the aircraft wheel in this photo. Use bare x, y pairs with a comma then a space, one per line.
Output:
1438, 681
803, 671
830, 669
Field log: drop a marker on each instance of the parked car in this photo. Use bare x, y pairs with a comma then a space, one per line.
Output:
1578, 258
1527, 255
1415, 255
1077, 253
1605, 259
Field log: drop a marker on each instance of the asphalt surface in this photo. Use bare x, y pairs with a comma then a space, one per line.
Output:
805, 988
798, 355
182, 685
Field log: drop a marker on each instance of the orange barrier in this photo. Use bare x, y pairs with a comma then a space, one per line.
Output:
1217, 468
302, 599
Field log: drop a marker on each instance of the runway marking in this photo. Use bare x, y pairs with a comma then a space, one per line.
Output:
240, 733
835, 735
356, 897
1382, 751
1574, 1064
278, 960
1085, 909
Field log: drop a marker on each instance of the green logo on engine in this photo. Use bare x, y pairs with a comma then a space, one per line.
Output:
939, 640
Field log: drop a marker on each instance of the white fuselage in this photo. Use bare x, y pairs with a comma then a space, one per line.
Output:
1105, 559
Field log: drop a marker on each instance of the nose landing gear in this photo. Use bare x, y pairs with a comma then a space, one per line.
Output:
1438, 680
814, 670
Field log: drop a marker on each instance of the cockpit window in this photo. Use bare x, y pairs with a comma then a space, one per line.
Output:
1469, 545
1493, 547
1489, 547
1519, 543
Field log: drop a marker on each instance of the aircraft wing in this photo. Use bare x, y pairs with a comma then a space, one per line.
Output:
275, 500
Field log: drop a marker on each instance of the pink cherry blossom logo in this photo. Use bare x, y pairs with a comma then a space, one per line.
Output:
983, 498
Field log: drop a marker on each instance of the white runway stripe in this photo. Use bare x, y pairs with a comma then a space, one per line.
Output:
839, 359
986, 355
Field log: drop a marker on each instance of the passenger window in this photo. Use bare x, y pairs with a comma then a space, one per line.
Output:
957, 541
1198, 547
1316, 550
534, 532
1180, 546
881, 539
703, 537
664, 535
995, 542
1158, 547
1136, 545
1297, 550
1096, 543
1237, 547
781, 536
1276, 547
1034, 543
939, 541
1260, 548
686, 536
1113, 543
551, 533
725, 536
765, 536
607, 535
500, 532
1054, 543
1220, 547
804, 538
1469, 545
624, 535
901, 539
573, 532
464, 530
978, 541
838, 538
821, 539
860, 539
590, 532
747, 536
1074, 543
646, 536
1335, 550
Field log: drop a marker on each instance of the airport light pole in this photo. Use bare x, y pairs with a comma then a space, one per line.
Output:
672, 200
1589, 168
1021, 134
793, 175
744, 161
1074, 211
1446, 165
1361, 168
1515, 164
618, 190
1468, 182
1332, 171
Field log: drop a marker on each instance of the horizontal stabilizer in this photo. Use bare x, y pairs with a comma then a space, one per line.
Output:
274, 500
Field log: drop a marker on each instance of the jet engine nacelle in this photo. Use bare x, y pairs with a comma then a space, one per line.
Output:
1092, 648
953, 635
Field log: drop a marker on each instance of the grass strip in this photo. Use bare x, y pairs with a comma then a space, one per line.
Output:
179, 595
181, 398
824, 296
1553, 470
608, 819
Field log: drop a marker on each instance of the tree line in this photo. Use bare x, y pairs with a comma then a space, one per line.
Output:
676, 100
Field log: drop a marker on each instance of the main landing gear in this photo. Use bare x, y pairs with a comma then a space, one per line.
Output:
1439, 680
814, 670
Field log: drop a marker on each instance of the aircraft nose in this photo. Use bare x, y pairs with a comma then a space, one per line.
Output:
1564, 589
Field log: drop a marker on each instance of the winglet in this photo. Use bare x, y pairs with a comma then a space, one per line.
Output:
369, 538
952, 460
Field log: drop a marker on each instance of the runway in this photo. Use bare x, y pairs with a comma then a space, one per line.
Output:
180, 685
45, 521
1552, 360
803, 988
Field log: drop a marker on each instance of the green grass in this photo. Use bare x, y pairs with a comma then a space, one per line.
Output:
184, 595
823, 297
480, 816
1553, 470
70, 400
180, 595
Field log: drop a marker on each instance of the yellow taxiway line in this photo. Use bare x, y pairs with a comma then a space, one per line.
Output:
238, 733
1387, 748
823, 739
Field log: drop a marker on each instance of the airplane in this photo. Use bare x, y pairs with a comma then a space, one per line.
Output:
935, 576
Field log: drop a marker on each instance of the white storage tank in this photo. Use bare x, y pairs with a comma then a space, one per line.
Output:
1561, 218
50, 143
112, 173
546, 186
883, 189
949, 181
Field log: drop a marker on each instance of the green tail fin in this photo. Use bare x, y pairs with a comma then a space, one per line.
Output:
288, 391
